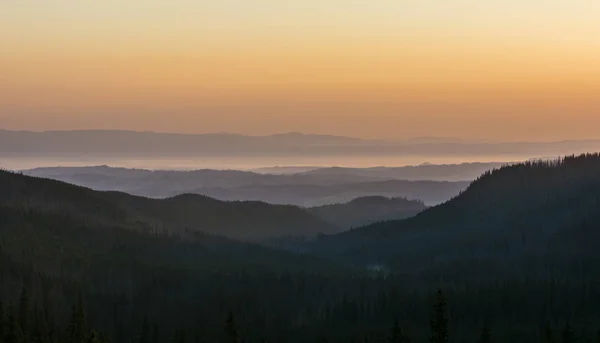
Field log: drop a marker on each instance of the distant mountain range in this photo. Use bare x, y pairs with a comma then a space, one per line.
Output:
302, 189
148, 144
427, 171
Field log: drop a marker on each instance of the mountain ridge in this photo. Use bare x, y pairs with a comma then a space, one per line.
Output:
541, 209
242, 220
295, 189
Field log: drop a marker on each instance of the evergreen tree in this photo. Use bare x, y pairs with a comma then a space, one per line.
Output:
439, 321
12, 330
155, 336
23, 312
94, 337
568, 335
231, 333
486, 336
37, 334
549, 335
2, 322
179, 337
397, 335
77, 330
145, 334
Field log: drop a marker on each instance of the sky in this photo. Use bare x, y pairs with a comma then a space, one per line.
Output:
496, 69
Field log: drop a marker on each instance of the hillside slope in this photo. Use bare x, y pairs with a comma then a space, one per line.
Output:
242, 220
534, 211
367, 210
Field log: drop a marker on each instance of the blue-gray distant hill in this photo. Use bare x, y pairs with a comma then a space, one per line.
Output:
426, 171
296, 189
368, 210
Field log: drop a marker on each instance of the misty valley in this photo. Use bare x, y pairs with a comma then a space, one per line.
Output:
102, 254
300, 171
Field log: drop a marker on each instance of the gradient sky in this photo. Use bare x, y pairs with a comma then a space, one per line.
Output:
496, 69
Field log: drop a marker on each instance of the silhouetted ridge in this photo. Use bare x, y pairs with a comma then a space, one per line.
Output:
376, 199
187, 212
538, 208
366, 210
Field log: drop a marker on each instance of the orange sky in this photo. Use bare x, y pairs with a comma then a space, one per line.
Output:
509, 70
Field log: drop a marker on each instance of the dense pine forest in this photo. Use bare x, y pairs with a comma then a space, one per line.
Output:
514, 258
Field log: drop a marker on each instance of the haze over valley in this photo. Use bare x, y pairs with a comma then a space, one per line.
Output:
148, 150
299, 171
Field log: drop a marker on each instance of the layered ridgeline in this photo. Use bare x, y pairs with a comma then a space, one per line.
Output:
180, 214
129, 258
368, 210
515, 253
296, 189
426, 171
528, 219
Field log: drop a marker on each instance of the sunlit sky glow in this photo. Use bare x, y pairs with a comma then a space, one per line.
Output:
502, 69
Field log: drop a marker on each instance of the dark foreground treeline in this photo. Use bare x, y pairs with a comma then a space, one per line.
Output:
28, 323
125, 297
517, 258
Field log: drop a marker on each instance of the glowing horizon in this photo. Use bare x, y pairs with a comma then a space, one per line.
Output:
501, 69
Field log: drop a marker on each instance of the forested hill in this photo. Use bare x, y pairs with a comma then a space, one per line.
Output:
195, 213
534, 210
516, 255
367, 210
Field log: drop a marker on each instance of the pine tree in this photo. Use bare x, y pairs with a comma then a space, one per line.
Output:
439, 321
94, 337
397, 335
486, 336
145, 334
568, 335
2, 322
231, 333
155, 336
12, 330
77, 330
23, 311
38, 334
549, 335
179, 337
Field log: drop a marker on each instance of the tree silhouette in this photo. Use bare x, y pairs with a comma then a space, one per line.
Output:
231, 333
179, 337
155, 336
568, 335
439, 321
12, 330
397, 335
486, 336
145, 333
549, 335
23, 310
2, 321
76, 332
94, 337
